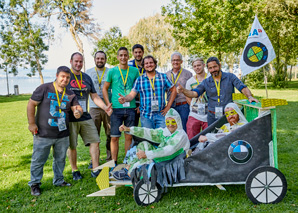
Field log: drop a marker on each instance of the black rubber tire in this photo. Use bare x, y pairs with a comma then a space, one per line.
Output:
266, 185
144, 195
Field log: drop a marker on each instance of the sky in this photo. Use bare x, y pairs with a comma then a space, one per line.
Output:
108, 13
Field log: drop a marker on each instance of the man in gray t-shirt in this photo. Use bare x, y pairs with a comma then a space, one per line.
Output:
179, 75
99, 116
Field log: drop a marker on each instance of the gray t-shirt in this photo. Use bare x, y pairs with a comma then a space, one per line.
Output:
183, 77
98, 86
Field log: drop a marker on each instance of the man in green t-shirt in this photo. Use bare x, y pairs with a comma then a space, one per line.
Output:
121, 79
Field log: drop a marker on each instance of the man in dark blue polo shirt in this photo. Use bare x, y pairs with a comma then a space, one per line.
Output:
219, 88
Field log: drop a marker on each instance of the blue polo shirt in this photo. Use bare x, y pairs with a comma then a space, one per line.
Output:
132, 63
228, 83
142, 85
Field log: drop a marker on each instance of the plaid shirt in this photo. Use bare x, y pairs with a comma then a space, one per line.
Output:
143, 86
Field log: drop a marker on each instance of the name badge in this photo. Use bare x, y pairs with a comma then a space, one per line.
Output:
154, 105
218, 112
126, 104
201, 109
61, 124
83, 104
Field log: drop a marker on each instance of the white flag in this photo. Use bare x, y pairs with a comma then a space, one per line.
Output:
258, 50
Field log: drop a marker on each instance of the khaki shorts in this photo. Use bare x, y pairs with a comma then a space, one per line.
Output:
87, 131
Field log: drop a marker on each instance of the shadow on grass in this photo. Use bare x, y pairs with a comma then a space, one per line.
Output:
13, 98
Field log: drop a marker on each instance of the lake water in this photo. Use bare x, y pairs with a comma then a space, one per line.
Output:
26, 84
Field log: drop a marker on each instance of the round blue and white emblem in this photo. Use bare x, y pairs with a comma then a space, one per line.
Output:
240, 152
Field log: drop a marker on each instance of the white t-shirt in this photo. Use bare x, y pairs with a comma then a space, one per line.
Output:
194, 111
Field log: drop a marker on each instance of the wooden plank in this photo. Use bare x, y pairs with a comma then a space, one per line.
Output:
221, 187
110, 164
111, 191
120, 182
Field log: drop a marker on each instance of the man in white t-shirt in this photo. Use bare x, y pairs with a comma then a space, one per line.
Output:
197, 119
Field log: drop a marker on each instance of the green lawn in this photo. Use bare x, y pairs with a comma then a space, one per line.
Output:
15, 155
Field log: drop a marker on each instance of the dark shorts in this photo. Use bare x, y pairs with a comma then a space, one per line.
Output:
120, 116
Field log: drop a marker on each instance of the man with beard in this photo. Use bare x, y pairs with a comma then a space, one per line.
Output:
197, 119
138, 52
82, 85
219, 88
121, 79
99, 116
152, 87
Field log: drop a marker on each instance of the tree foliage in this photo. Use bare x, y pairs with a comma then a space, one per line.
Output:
73, 15
221, 27
22, 39
110, 42
156, 36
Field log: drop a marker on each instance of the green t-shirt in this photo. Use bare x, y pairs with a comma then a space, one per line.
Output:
117, 85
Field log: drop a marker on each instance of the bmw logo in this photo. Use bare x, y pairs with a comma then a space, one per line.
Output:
255, 54
240, 152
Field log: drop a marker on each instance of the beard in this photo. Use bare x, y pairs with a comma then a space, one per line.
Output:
99, 66
138, 60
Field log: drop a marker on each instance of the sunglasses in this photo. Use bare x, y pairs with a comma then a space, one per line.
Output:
232, 112
170, 122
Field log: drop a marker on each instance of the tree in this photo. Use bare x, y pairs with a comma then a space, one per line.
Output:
279, 19
73, 15
110, 42
210, 27
22, 40
155, 35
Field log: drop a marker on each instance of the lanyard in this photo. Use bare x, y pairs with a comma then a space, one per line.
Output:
138, 68
59, 102
99, 80
177, 77
152, 85
124, 82
198, 80
217, 88
78, 83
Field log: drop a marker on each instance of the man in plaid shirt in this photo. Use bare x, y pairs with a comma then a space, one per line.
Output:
152, 87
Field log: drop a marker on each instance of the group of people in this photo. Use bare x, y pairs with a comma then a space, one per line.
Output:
118, 98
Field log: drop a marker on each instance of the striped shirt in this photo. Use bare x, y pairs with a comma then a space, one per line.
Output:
143, 86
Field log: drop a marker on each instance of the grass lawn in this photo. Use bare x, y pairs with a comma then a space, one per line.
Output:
15, 156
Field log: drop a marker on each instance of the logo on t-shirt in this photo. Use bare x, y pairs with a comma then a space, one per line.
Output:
73, 83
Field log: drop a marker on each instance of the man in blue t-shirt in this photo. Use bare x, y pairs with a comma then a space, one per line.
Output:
82, 85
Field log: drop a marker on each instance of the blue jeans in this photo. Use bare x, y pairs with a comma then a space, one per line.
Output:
41, 151
157, 121
211, 118
183, 111
120, 116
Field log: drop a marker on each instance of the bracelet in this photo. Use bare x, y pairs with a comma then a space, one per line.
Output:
250, 97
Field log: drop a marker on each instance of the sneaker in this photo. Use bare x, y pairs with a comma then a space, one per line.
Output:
96, 173
35, 190
121, 174
64, 184
90, 165
76, 175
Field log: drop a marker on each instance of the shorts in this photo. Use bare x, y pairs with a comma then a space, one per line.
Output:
126, 115
87, 131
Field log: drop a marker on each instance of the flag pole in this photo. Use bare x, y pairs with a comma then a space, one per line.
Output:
265, 79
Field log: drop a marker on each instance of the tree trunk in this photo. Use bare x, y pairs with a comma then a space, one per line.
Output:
291, 72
